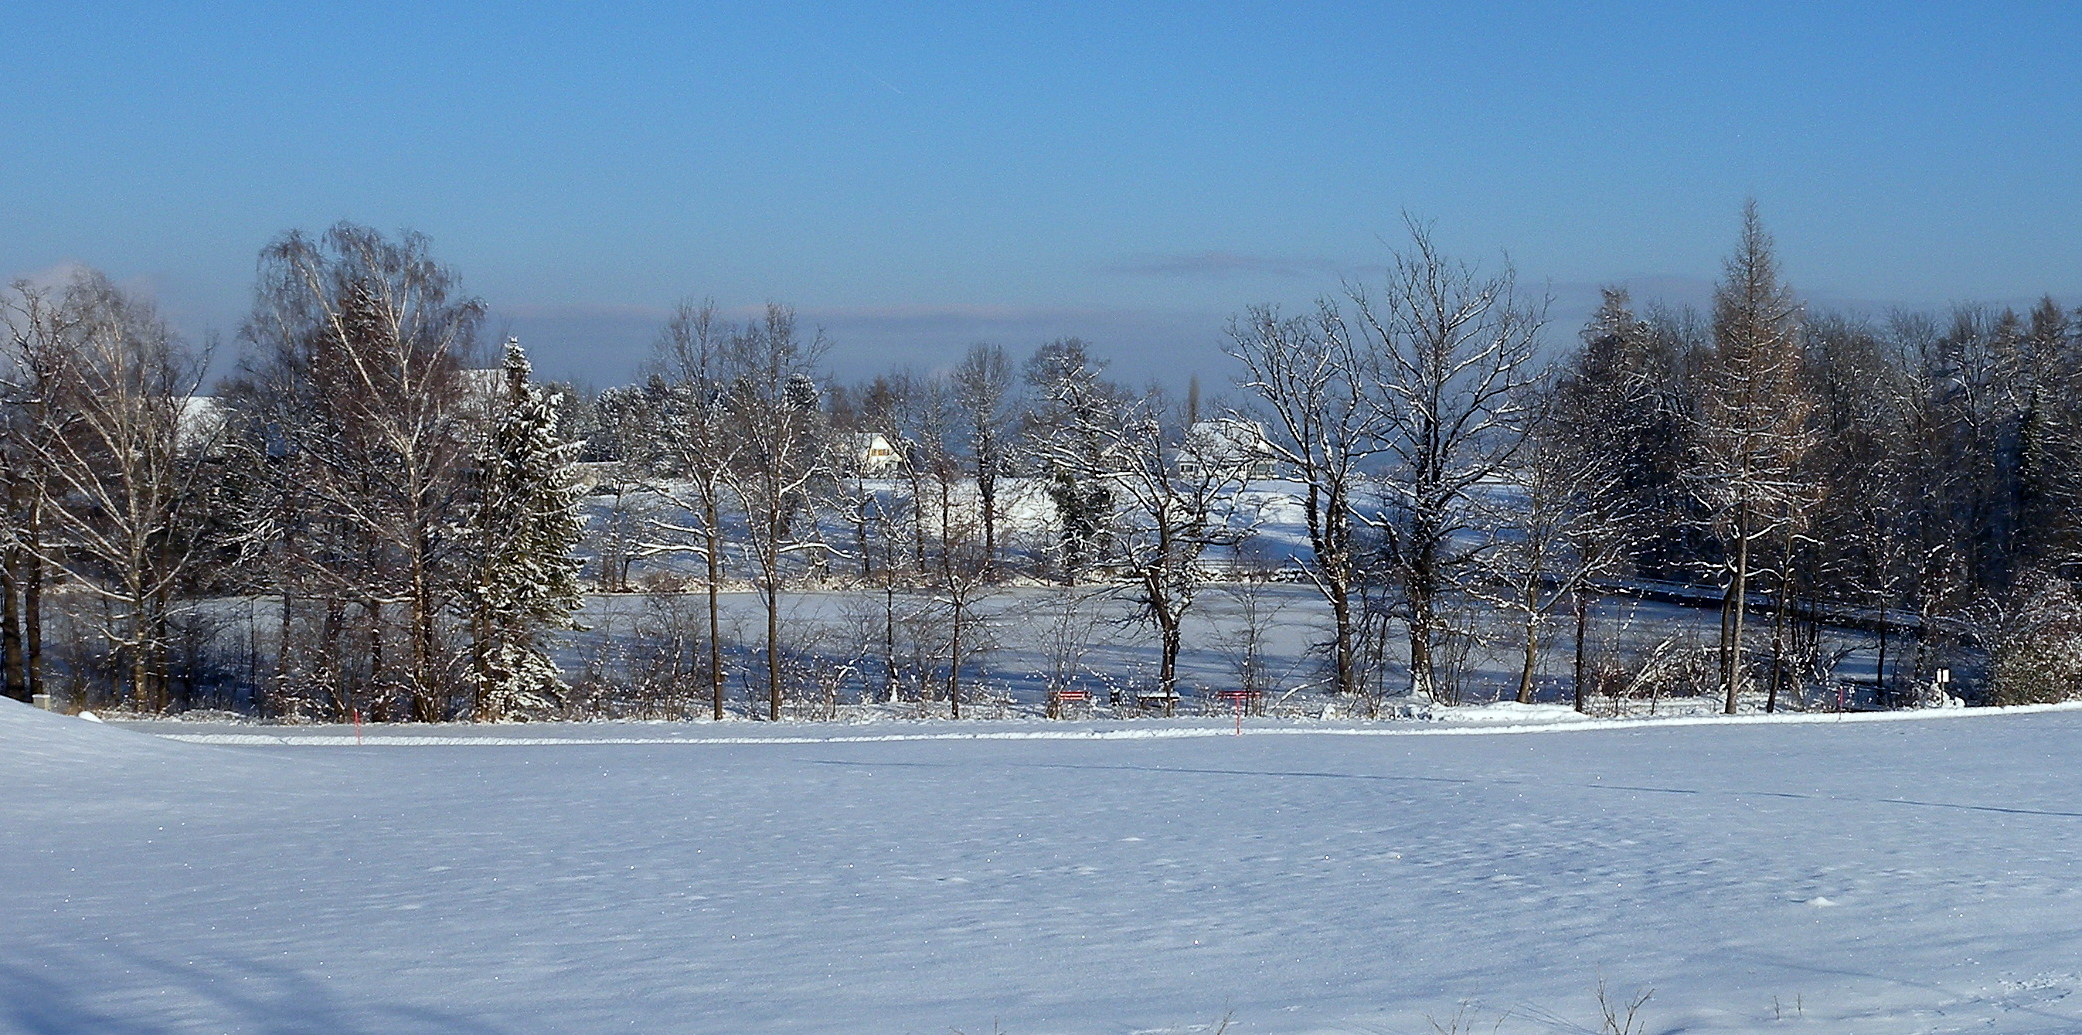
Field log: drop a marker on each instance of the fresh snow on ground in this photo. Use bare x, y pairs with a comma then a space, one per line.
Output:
1823, 874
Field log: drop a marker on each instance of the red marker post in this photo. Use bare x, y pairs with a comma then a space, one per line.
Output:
1239, 698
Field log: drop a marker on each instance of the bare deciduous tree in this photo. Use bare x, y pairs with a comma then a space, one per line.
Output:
31, 356
1066, 633
355, 402
1176, 481
1752, 431
982, 389
1564, 524
783, 453
119, 467
694, 447
1448, 350
1327, 425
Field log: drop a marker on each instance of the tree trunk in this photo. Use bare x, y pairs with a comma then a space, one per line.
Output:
159, 666
1778, 647
136, 626
889, 636
1532, 655
1167, 674
954, 661
1582, 626
331, 665
1734, 609
1340, 594
773, 650
32, 602
1421, 674
1423, 591
425, 686
11, 660
860, 529
987, 497
139, 684
715, 604
1879, 671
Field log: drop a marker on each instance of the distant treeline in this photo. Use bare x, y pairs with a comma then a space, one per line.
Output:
412, 516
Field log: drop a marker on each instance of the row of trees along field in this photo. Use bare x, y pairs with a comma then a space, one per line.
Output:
404, 529
415, 531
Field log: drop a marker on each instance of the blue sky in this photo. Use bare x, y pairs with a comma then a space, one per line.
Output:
915, 177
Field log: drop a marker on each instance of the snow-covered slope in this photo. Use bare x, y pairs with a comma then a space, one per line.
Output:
1902, 876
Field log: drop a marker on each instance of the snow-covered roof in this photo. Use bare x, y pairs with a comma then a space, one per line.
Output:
201, 420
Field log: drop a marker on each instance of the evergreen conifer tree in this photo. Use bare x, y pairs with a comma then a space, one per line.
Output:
525, 526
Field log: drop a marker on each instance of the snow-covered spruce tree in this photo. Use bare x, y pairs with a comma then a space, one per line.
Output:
1625, 397
523, 528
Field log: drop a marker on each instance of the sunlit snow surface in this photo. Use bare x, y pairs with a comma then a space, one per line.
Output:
1853, 876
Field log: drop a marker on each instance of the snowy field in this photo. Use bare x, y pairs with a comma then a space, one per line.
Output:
1022, 628
1901, 873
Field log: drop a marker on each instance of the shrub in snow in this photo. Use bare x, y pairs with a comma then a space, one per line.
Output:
1675, 667
2035, 650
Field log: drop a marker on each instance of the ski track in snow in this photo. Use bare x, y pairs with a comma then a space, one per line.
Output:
1867, 874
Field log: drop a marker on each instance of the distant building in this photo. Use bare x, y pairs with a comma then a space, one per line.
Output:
1228, 447
200, 423
874, 455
